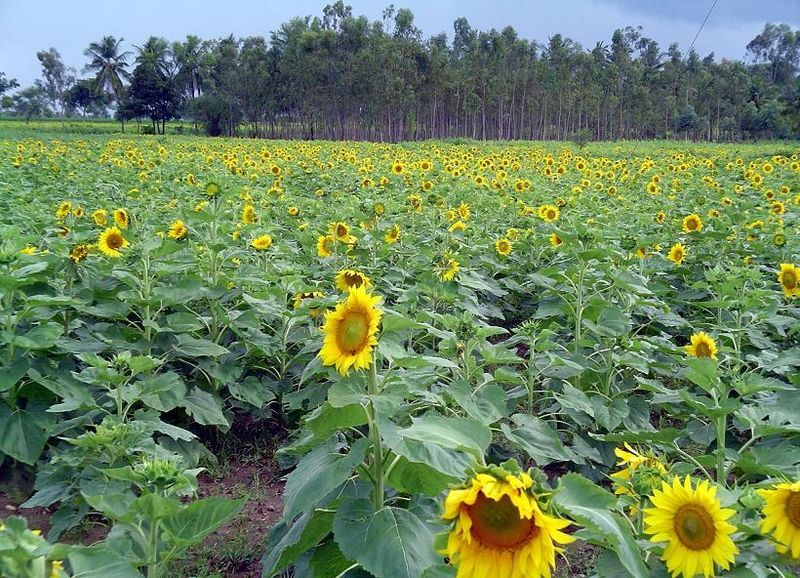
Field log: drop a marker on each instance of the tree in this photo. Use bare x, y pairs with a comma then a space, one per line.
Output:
7, 84
109, 65
151, 94
31, 102
57, 78
84, 96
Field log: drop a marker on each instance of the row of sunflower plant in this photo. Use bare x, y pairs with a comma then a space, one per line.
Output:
498, 321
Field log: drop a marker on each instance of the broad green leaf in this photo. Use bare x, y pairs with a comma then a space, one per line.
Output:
204, 408
487, 404
287, 540
21, 435
455, 433
193, 347
252, 391
100, 562
591, 506
200, 518
703, 372
161, 392
320, 472
327, 420
389, 543
538, 439
39, 338
11, 374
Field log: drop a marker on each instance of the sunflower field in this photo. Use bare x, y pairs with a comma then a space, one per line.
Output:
481, 355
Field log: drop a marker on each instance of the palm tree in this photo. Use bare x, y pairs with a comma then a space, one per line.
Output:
155, 55
109, 66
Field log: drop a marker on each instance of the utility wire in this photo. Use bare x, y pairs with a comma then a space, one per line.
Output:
699, 30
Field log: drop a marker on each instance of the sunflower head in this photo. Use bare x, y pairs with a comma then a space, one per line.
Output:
341, 232
692, 223
789, 278
702, 345
555, 240
350, 331
325, 245
503, 247
122, 218
249, 216
693, 523
261, 243
111, 241
79, 252
639, 473
100, 217
781, 513
449, 268
392, 234
498, 528
177, 230
677, 253
293, 211
348, 279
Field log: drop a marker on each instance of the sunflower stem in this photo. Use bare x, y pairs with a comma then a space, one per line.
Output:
721, 427
375, 436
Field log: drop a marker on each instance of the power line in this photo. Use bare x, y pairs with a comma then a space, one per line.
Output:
699, 30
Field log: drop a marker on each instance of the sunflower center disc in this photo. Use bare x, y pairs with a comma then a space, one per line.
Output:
694, 527
114, 241
793, 508
498, 524
353, 332
703, 350
789, 280
353, 280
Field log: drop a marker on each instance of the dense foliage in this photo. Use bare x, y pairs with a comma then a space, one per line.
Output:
341, 77
460, 338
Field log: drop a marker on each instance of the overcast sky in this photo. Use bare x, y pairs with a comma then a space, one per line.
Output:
27, 26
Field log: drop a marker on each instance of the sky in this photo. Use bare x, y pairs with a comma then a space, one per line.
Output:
27, 26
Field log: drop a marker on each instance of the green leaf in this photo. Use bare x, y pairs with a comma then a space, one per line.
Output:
192, 347
21, 435
204, 408
487, 404
326, 420
539, 440
39, 338
100, 562
252, 391
200, 518
287, 540
389, 543
455, 433
590, 506
11, 374
703, 372
161, 392
320, 472
418, 478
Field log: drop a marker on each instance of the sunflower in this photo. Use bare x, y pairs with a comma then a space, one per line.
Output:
261, 243
350, 331
121, 218
661, 216
78, 212
499, 529
177, 230
293, 211
398, 168
677, 253
464, 211
789, 278
702, 345
503, 247
64, 209
693, 523
379, 209
782, 516
29, 250
212, 189
341, 231
458, 226
555, 240
249, 216
392, 234
632, 463
692, 223
450, 269
549, 213
110, 241
325, 245
306, 295
415, 203
348, 279
100, 217
79, 252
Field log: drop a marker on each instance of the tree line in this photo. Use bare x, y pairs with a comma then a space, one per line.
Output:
340, 76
